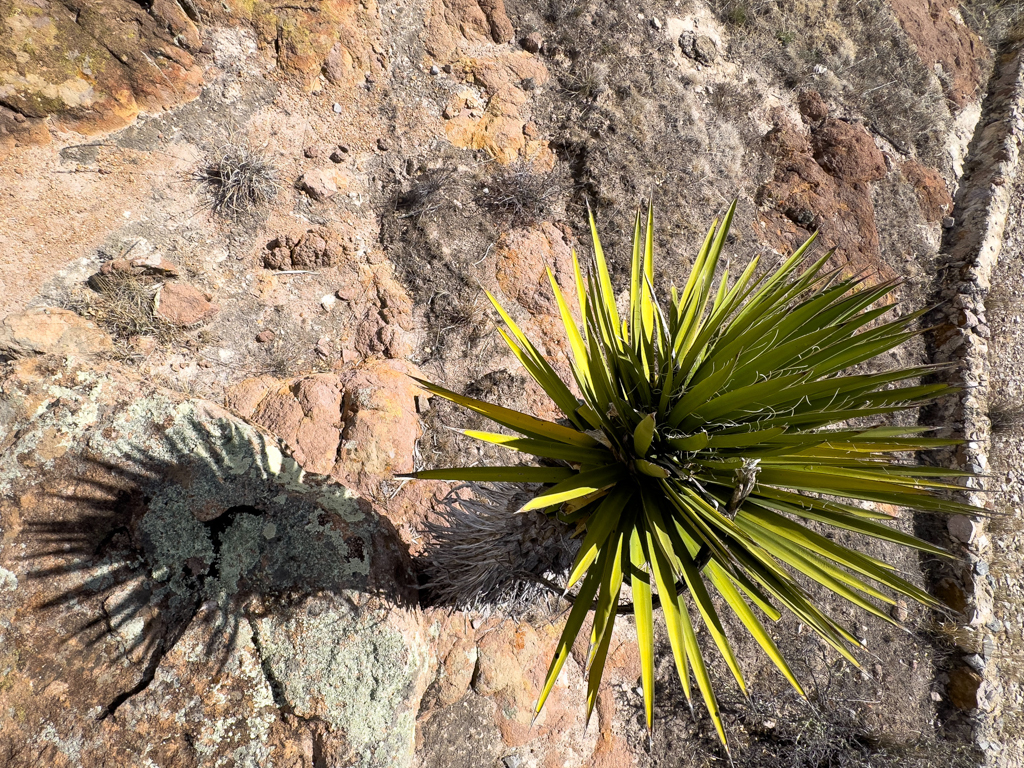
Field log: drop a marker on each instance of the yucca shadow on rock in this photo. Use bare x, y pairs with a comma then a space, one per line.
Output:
209, 529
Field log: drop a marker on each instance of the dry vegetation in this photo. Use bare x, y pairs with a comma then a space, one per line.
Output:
238, 181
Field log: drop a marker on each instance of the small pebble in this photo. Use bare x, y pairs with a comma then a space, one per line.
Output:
948, 222
899, 611
337, 156
311, 152
382, 145
265, 337
337, 108
936, 696
435, 70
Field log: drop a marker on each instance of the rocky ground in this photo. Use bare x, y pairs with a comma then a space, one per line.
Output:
205, 556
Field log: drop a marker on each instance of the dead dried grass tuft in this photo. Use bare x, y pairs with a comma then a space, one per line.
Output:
1006, 416
482, 555
517, 194
122, 303
239, 182
428, 192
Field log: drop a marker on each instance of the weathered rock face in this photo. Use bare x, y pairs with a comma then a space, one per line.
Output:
51, 331
183, 304
523, 260
174, 588
821, 183
358, 426
932, 192
95, 65
944, 43
467, 36
316, 249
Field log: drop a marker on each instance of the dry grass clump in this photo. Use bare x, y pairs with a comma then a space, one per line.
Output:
430, 191
123, 305
1006, 416
516, 194
807, 45
483, 556
239, 182
995, 20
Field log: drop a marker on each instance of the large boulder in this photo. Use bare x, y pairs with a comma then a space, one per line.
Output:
96, 65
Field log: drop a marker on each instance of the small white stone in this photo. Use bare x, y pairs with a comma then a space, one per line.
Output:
328, 301
269, 531
8, 581
337, 108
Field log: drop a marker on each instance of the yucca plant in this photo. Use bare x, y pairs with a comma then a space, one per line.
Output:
709, 429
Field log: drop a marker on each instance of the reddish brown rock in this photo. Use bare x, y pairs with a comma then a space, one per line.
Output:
359, 426
523, 257
454, 675
96, 67
825, 191
847, 152
812, 106
51, 331
932, 193
323, 183
785, 141
940, 37
500, 128
184, 305
316, 249
451, 23
265, 337
16, 130
154, 264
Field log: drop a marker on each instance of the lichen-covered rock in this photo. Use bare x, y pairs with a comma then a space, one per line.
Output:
94, 65
50, 330
175, 589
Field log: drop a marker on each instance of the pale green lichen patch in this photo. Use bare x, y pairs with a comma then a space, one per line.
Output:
351, 669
